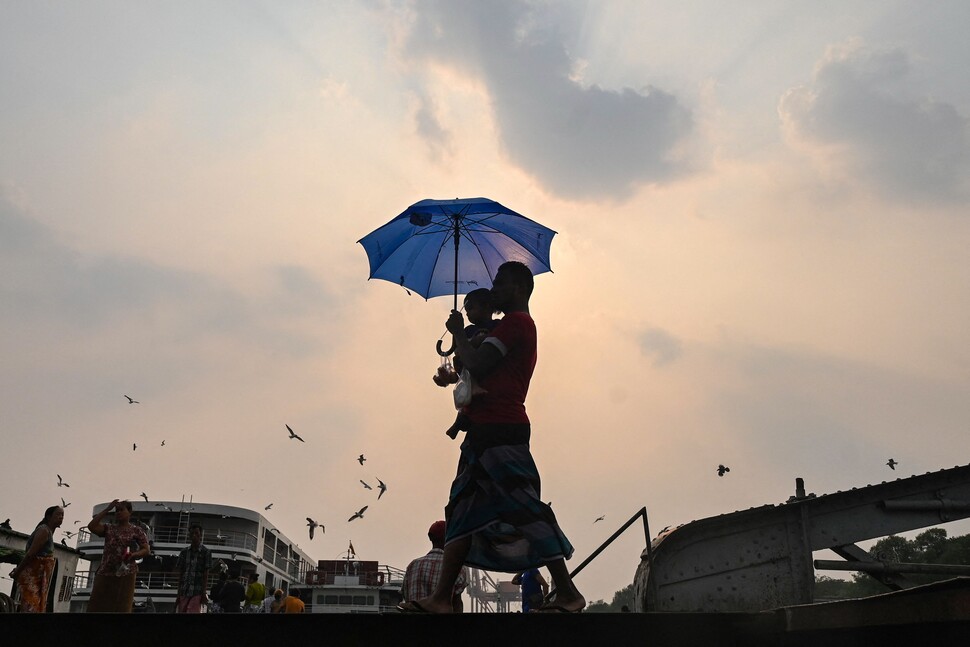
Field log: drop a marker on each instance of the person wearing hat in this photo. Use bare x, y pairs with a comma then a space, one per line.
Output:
423, 573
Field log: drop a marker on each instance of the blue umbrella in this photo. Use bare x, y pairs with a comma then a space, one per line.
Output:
440, 247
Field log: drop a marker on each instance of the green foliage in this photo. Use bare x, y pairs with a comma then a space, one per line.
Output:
623, 597
929, 547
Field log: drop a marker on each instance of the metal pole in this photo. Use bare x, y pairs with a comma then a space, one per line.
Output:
643, 511
456, 235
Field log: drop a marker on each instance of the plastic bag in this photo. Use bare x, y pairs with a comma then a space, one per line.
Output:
464, 389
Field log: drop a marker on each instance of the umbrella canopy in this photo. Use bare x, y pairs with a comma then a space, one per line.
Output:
441, 247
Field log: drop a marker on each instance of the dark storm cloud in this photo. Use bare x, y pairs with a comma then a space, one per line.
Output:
577, 141
860, 99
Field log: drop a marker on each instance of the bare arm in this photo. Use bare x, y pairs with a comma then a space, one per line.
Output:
40, 538
479, 361
95, 524
143, 550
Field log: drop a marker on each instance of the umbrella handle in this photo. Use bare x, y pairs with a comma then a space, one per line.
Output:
444, 353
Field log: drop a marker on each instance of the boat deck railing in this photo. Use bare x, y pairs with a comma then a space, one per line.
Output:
174, 535
154, 580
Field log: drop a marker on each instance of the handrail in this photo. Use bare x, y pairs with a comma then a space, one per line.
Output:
642, 512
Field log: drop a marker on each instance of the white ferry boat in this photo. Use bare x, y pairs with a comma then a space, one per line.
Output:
350, 585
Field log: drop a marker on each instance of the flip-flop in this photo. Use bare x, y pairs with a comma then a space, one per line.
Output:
411, 607
555, 608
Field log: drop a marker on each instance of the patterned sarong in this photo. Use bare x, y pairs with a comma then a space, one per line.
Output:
495, 500
33, 582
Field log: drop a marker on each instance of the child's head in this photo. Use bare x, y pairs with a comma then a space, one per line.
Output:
478, 306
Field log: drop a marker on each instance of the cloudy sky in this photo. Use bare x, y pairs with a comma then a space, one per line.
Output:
762, 255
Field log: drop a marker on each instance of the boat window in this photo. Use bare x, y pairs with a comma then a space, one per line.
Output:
345, 599
360, 599
330, 599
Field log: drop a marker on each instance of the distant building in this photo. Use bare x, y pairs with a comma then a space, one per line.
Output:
65, 568
241, 538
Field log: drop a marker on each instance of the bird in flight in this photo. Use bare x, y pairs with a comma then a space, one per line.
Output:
268, 507
381, 487
144, 496
134, 446
358, 515
64, 503
163, 443
892, 463
599, 518
361, 459
132, 400
313, 525
293, 435
721, 469
68, 534
365, 485
60, 482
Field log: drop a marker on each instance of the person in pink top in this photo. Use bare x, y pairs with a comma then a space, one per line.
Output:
124, 542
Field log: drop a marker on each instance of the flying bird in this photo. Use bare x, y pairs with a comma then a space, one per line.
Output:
134, 446
163, 443
60, 482
268, 507
358, 515
365, 485
131, 400
381, 487
361, 459
68, 534
64, 503
293, 434
600, 518
721, 469
312, 525
892, 463
144, 496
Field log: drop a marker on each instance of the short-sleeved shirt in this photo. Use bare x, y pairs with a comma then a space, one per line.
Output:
231, 597
116, 540
530, 587
508, 383
255, 593
292, 604
194, 565
423, 573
